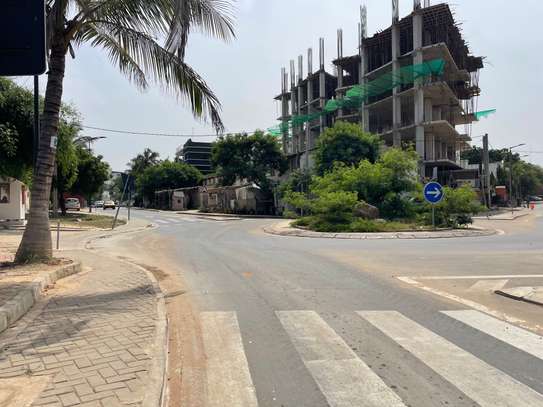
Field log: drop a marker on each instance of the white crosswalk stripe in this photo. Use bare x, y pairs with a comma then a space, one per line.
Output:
229, 381
164, 222
343, 378
486, 385
519, 338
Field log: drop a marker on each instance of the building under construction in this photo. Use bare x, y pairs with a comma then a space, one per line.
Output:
413, 84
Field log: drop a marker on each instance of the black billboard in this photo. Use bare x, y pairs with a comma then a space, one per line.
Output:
22, 37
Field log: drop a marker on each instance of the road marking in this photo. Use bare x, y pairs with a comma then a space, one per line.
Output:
522, 339
229, 381
484, 384
343, 378
483, 277
487, 286
463, 301
164, 222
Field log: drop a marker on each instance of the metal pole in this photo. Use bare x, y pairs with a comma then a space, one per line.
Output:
433, 216
129, 200
58, 234
511, 180
36, 117
119, 206
486, 166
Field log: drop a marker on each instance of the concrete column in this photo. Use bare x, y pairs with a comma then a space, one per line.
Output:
428, 110
419, 94
396, 101
284, 108
362, 35
339, 68
309, 109
322, 83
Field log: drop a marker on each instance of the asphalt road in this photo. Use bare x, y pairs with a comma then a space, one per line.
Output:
318, 322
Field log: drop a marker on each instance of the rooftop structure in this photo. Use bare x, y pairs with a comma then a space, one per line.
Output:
413, 84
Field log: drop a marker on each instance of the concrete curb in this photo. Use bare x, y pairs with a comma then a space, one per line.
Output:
526, 296
156, 394
21, 303
445, 234
225, 215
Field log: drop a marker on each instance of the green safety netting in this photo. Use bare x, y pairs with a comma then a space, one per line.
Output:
483, 113
362, 93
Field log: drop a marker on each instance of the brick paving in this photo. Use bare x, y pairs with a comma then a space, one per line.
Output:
93, 339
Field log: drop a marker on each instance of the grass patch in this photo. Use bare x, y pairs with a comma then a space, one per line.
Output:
86, 220
319, 224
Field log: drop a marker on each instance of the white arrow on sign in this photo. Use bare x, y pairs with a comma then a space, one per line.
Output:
436, 192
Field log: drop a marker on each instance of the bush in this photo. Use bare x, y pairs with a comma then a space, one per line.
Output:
456, 208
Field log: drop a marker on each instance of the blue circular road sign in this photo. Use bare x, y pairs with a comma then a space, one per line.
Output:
433, 192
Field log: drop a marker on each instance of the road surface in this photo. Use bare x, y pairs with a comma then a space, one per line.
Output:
289, 321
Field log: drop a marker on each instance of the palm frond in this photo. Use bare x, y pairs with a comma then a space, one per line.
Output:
158, 64
213, 17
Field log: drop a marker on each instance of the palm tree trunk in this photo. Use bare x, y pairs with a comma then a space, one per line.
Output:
36, 243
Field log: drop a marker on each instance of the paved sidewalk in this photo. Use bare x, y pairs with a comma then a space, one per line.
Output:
95, 340
284, 229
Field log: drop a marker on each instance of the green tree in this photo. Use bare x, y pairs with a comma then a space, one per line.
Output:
253, 157
167, 175
127, 30
92, 172
345, 143
67, 160
475, 155
16, 131
143, 161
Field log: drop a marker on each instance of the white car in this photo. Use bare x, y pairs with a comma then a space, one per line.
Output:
99, 204
72, 204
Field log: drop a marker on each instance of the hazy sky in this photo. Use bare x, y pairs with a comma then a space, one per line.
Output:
245, 74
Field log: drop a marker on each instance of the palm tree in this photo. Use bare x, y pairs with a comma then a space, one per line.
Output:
128, 31
143, 161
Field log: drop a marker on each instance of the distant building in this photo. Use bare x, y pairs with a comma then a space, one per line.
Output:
197, 154
414, 84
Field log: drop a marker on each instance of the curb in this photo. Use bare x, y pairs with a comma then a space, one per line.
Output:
526, 299
293, 232
156, 394
21, 303
226, 215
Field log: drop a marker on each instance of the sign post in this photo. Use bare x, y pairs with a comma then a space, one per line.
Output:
433, 193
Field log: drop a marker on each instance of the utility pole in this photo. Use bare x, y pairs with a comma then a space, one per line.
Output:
511, 175
486, 169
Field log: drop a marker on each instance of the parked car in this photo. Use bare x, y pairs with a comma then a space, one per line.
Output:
535, 198
99, 204
108, 205
72, 204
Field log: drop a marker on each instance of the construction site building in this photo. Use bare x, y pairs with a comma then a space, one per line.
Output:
416, 84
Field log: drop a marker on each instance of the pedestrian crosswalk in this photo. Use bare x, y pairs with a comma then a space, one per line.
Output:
344, 378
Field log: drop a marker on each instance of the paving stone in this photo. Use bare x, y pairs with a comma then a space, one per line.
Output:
90, 340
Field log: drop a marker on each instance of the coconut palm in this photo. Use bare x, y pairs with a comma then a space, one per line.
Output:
146, 39
143, 161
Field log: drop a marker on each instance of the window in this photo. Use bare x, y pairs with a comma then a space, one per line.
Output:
4, 193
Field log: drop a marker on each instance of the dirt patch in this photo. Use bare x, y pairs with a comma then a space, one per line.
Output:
186, 357
21, 391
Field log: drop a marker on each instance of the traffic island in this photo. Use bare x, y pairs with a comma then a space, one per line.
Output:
532, 295
285, 228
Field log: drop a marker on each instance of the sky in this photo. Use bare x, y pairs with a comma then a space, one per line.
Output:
245, 74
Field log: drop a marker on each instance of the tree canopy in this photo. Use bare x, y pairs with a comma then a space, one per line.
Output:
345, 143
143, 161
252, 157
167, 175
92, 172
